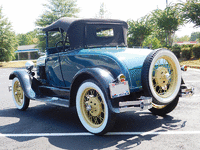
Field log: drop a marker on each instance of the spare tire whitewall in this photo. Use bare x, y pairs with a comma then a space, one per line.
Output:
162, 76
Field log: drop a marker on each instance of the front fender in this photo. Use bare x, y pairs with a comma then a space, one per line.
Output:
25, 81
102, 76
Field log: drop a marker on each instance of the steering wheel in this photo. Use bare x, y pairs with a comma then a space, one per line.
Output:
58, 43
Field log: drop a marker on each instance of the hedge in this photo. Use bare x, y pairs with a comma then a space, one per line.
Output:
186, 52
196, 50
176, 49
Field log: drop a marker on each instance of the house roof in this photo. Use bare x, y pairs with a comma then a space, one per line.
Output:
186, 42
27, 48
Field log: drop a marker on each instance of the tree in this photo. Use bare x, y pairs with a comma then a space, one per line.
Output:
195, 36
138, 31
28, 38
8, 42
167, 21
152, 42
185, 38
103, 12
57, 9
191, 11
54, 10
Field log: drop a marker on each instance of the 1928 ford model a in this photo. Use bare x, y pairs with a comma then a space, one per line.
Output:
88, 65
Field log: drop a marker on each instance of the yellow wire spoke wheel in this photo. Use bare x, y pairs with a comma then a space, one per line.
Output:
92, 107
19, 98
162, 80
164, 76
161, 76
18, 93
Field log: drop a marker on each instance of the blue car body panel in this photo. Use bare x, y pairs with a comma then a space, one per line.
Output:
53, 70
117, 61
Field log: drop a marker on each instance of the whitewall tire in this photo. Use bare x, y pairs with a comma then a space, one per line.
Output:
92, 108
161, 76
19, 98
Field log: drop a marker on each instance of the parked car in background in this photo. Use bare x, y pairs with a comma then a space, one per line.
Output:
88, 66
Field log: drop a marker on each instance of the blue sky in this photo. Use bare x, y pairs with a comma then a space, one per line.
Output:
23, 13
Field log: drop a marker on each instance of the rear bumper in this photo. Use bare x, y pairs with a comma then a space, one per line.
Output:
143, 103
186, 91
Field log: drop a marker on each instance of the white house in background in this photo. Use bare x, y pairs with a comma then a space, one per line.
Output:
26, 49
186, 43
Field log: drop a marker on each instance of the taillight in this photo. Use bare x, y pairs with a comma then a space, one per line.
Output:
121, 78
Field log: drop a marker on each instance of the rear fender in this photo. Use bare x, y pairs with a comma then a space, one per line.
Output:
25, 81
102, 76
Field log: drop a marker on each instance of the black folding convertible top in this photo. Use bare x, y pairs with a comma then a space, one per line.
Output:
62, 23
82, 32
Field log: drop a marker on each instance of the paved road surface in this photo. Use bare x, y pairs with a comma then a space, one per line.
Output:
50, 127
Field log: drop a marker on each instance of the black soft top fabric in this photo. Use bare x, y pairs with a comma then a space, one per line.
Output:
82, 32
65, 23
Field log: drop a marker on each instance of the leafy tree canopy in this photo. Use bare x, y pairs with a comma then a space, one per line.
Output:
152, 42
103, 12
8, 42
138, 31
28, 38
195, 36
168, 21
191, 12
56, 9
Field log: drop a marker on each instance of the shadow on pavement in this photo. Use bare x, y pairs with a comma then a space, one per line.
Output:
53, 119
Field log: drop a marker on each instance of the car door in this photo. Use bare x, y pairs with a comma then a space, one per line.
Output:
53, 70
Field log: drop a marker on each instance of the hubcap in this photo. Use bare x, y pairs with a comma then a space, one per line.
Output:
164, 76
92, 107
18, 93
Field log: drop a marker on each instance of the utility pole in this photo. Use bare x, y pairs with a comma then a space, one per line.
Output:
167, 14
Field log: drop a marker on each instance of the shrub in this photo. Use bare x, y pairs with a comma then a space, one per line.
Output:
186, 52
152, 42
196, 50
177, 53
185, 46
176, 49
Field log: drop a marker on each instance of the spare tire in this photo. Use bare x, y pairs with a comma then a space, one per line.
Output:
161, 76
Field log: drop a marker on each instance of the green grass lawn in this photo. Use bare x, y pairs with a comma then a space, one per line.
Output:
14, 64
191, 63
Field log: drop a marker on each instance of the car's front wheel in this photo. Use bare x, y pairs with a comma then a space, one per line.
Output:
20, 100
92, 108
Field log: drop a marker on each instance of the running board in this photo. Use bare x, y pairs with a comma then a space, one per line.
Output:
54, 100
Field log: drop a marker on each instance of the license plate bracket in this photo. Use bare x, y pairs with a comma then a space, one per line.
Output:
119, 89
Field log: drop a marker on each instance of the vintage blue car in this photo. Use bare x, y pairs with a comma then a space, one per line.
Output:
88, 66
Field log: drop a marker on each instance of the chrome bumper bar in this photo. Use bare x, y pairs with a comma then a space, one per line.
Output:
186, 91
9, 88
143, 103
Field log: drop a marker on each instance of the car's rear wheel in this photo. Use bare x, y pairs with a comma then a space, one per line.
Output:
20, 100
92, 108
162, 110
161, 78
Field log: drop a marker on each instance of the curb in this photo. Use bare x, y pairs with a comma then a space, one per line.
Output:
195, 67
